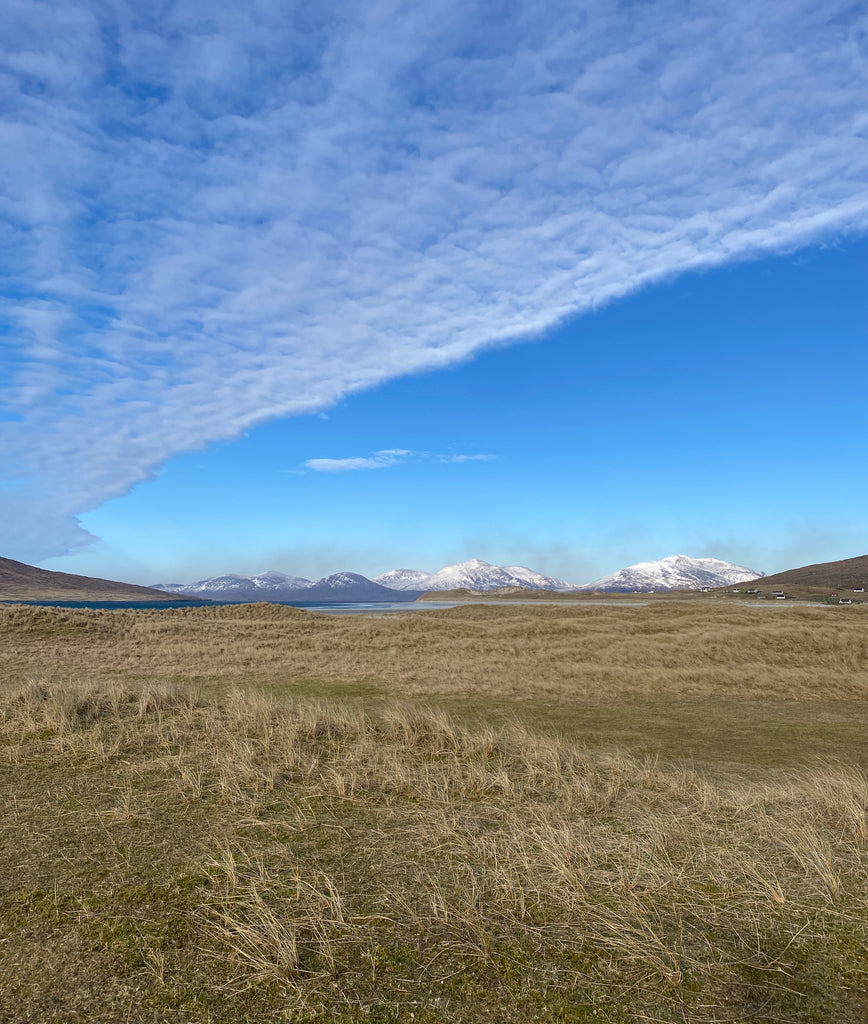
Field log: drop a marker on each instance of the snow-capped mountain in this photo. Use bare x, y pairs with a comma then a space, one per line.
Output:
473, 574
278, 586
677, 572
264, 585
403, 579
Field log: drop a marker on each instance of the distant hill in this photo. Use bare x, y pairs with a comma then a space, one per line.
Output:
350, 586
22, 582
845, 574
277, 586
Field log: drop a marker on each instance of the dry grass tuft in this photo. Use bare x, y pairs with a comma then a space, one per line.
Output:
283, 930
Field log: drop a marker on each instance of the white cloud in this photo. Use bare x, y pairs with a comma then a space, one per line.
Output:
214, 222
466, 458
379, 460
384, 459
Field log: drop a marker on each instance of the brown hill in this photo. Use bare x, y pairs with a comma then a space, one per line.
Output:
21, 582
843, 575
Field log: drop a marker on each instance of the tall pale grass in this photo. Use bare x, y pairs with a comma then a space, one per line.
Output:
512, 653
465, 844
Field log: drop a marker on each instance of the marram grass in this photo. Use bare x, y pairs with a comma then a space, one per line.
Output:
172, 855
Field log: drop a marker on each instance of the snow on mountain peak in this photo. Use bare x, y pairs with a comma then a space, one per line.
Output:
232, 583
473, 574
537, 580
403, 579
337, 580
675, 572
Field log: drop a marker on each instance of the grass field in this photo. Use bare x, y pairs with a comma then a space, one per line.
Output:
507, 814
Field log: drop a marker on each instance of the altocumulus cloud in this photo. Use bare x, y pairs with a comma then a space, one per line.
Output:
386, 458
218, 214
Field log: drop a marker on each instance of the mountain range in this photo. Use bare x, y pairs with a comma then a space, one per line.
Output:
22, 582
677, 572
278, 586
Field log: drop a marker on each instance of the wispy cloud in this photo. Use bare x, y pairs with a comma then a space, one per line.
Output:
208, 223
384, 459
379, 460
466, 458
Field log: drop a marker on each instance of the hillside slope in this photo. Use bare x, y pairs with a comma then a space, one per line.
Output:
844, 574
22, 582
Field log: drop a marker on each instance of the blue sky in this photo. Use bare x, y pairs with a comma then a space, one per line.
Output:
567, 285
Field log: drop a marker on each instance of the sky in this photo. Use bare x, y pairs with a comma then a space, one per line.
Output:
375, 285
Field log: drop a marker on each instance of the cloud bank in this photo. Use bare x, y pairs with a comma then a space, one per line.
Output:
215, 216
